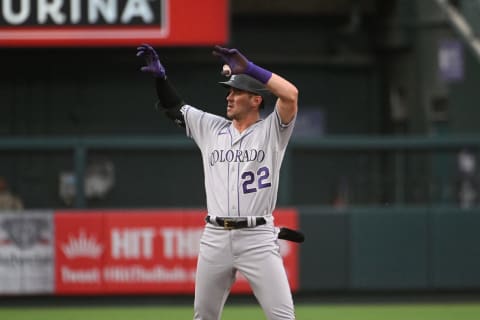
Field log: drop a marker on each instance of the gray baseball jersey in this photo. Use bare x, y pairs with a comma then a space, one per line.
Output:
241, 169
241, 179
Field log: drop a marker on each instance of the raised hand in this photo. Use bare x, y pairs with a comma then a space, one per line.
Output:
153, 64
237, 62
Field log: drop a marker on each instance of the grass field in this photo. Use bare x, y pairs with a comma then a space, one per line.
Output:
457, 311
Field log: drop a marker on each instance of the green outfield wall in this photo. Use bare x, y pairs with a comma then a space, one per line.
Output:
362, 249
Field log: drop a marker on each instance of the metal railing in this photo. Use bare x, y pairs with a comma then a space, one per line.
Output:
395, 149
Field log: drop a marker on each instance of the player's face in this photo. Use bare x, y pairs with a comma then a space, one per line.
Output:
240, 104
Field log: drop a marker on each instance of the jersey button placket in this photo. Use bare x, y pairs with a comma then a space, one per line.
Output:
233, 186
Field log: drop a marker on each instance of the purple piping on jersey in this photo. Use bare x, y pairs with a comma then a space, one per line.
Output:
228, 175
238, 179
228, 187
246, 134
238, 169
282, 125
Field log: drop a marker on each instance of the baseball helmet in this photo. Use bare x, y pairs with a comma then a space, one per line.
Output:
247, 83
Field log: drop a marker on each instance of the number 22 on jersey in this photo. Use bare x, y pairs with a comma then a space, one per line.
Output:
253, 181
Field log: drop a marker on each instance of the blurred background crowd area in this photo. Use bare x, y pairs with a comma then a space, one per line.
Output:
387, 115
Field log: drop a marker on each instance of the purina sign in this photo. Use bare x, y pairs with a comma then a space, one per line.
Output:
85, 12
112, 22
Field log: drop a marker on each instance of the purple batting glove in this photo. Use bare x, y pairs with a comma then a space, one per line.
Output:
235, 60
238, 63
153, 62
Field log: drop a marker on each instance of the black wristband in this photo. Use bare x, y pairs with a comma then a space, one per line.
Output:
169, 101
167, 95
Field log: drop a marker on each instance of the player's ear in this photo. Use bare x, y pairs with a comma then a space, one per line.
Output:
258, 101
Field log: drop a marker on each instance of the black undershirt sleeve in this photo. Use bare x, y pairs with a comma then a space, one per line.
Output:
169, 101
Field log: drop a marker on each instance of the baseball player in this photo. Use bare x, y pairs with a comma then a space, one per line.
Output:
241, 157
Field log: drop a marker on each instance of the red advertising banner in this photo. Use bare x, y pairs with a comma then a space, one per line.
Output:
79, 252
43, 23
152, 252
141, 251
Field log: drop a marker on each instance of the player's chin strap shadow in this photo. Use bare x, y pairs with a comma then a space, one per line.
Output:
291, 235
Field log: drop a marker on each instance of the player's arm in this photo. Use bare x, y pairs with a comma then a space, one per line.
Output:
287, 93
168, 99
